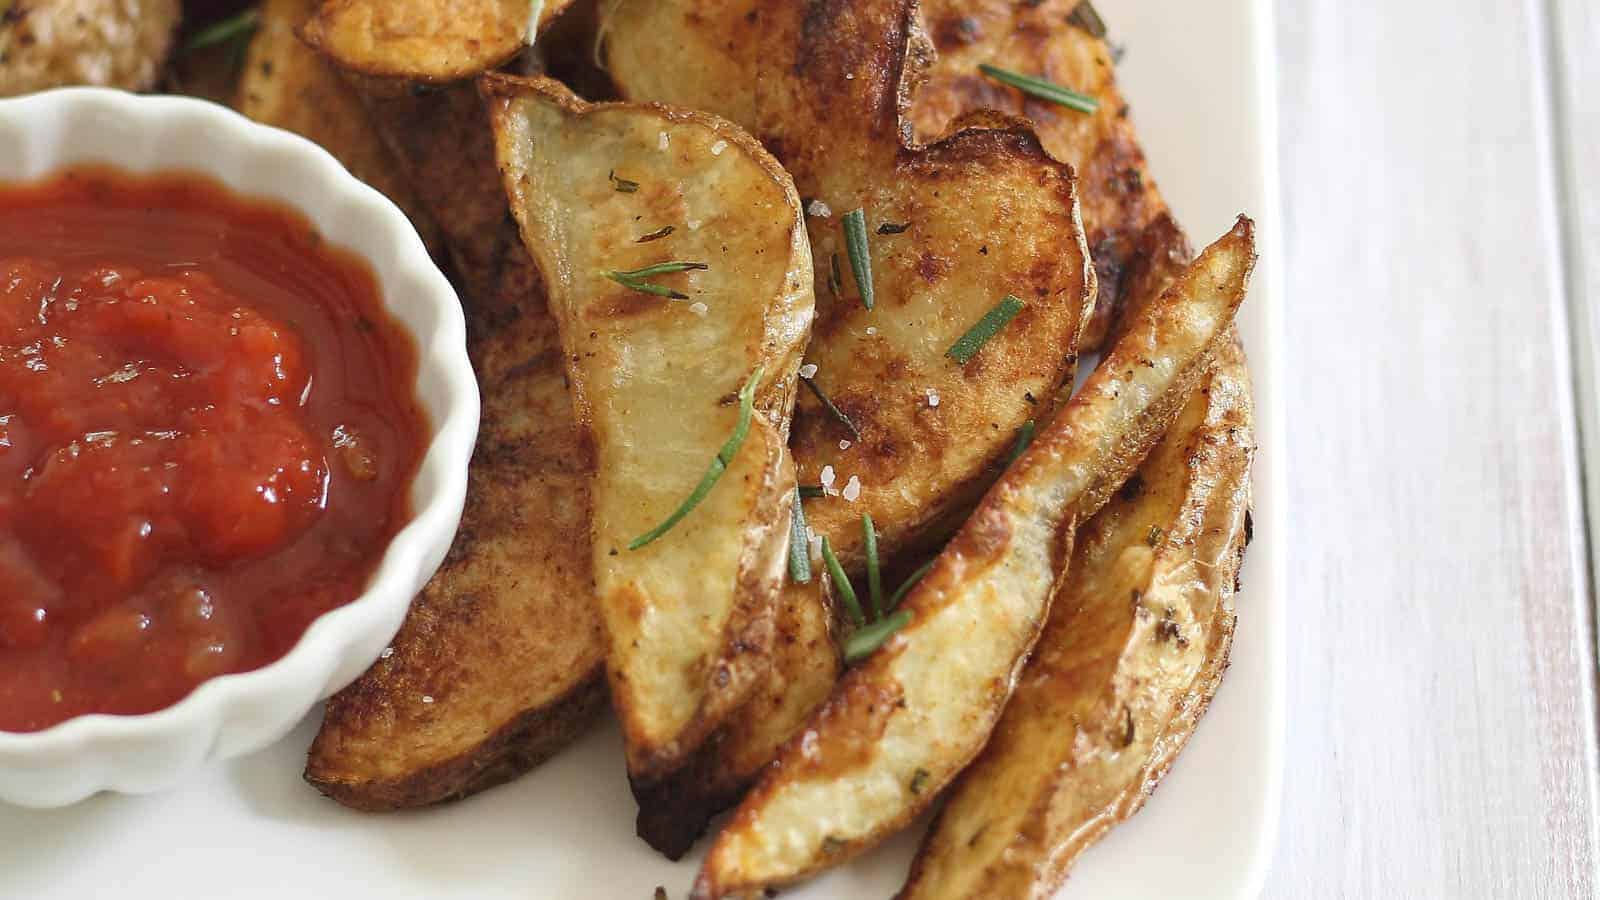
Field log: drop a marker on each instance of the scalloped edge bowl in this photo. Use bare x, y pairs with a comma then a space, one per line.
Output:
237, 714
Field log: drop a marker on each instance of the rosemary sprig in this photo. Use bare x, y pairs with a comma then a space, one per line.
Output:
841, 583
1044, 90
1024, 438
634, 279
622, 185
861, 645
235, 30
719, 464
656, 235
1085, 16
835, 279
910, 582
799, 547
836, 412
874, 574
855, 243
968, 345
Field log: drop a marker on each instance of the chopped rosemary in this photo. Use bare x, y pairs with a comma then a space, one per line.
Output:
841, 583
799, 547
1085, 16
910, 582
656, 235
634, 279
227, 31
623, 185
855, 243
919, 780
1024, 438
874, 574
836, 412
835, 279
1155, 536
861, 645
719, 464
812, 491
968, 345
892, 228
1044, 90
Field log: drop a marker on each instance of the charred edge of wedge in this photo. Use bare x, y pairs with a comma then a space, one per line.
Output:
870, 683
519, 746
475, 56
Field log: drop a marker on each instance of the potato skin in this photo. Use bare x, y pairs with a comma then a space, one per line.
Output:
107, 43
1114, 688
1118, 196
438, 41
505, 639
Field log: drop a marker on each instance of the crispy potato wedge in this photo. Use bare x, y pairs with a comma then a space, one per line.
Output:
605, 188
506, 639
285, 83
426, 40
109, 43
952, 228
1114, 688
675, 811
904, 722
1117, 194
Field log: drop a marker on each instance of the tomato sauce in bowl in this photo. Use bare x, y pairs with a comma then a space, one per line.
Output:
208, 432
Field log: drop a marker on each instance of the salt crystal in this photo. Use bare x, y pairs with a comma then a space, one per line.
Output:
661, 141
872, 329
844, 445
698, 308
933, 397
427, 698
852, 489
827, 481
819, 209
694, 224
387, 652
718, 147
809, 370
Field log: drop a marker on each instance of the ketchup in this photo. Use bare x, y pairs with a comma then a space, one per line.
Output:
208, 430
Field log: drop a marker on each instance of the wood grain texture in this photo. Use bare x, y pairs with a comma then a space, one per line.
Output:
1441, 702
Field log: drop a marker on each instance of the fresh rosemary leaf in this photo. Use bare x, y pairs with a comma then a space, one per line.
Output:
861, 645
662, 268
841, 583
835, 279
893, 228
1024, 438
812, 491
836, 412
968, 345
656, 235
634, 279
747, 399
1044, 90
623, 185
228, 30
874, 574
910, 582
1085, 16
799, 547
855, 243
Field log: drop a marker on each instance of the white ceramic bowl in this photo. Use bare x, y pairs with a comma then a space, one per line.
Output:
237, 714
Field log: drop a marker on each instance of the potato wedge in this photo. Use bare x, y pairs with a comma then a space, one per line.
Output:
285, 83
427, 40
1117, 194
1114, 689
655, 361
506, 639
674, 812
952, 228
904, 722
108, 43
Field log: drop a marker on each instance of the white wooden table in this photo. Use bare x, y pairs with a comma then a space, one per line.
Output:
1441, 177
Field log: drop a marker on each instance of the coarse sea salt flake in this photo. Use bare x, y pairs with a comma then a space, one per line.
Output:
661, 141
844, 445
819, 209
698, 308
826, 478
427, 698
852, 489
809, 370
718, 147
933, 397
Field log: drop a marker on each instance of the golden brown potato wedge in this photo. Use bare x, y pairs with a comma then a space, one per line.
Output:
285, 83
1115, 686
674, 812
109, 43
656, 362
427, 40
904, 722
1117, 194
506, 639
952, 228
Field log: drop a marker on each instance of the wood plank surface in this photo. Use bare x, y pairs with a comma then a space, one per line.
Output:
1441, 699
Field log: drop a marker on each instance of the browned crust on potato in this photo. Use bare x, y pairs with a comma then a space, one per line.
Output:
107, 43
437, 41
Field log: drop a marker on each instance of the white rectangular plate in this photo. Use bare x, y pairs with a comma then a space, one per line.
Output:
1199, 78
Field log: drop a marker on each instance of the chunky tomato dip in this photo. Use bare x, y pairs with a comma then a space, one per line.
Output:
208, 430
